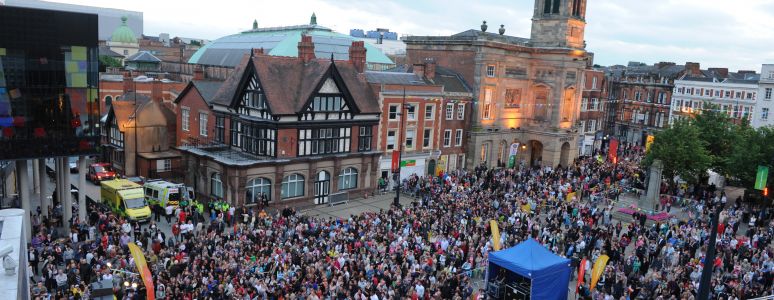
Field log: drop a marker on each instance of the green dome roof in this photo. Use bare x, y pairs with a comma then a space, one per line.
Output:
123, 34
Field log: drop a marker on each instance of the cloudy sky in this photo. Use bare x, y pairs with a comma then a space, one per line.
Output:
716, 33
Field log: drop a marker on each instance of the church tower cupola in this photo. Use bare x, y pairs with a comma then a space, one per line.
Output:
559, 23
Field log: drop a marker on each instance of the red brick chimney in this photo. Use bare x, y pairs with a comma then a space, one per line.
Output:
156, 94
128, 83
721, 72
306, 48
692, 69
357, 55
430, 68
419, 70
259, 51
198, 73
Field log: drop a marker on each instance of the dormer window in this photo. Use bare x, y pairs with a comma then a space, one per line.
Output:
254, 100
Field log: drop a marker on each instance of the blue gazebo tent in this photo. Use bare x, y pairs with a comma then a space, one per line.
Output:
549, 273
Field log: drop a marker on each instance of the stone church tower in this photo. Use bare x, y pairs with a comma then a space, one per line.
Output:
559, 23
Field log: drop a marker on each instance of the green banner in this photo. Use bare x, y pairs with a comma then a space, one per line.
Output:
761, 177
408, 163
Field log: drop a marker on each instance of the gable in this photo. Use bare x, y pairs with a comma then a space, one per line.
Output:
329, 87
252, 99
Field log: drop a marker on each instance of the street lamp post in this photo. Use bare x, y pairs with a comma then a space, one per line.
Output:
709, 260
396, 200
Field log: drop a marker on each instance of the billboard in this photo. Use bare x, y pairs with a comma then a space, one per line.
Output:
48, 83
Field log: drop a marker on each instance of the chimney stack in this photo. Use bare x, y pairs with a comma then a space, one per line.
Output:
306, 48
419, 70
430, 68
259, 51
721, 72
357, 55
156, 94
692, 69
198, 73
128, 82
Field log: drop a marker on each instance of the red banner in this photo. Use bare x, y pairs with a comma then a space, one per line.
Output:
612, 151
581, 273
395, 160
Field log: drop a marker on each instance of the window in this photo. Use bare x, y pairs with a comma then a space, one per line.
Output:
429, 111
216, 186
126, 52
594, 83
203, 124
292, 186
185, 112
323, 141
116, 136
393, 112
449, 111
458, 138
329, 103
484, 152
427, 138
637, 96
348, 179
487, 104
595, 104
410, 134
447, 138
257, 140
390, 139
749, 96
767, 93
764, 114
582, 126
490, 71
220, 129
661, 97
593, 125
583, 104
257, 187
411, 111
739, 95
163, 165
728, 94
254, 100
460, 111
364, 139
588, 127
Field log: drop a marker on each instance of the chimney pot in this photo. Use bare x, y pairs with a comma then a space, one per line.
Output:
430, 68
357, 55
306, 48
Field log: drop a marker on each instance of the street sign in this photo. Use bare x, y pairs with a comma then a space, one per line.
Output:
761, 177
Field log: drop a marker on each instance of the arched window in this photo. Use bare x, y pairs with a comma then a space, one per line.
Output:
348, 179
292, 186
216, 186
257, 187
108, 101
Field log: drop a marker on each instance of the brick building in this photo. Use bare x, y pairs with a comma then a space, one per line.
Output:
116, 85
436, 105
296, 129
639, 99
592, 110
527, 91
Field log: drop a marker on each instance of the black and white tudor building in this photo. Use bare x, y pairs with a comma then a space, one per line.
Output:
297, 129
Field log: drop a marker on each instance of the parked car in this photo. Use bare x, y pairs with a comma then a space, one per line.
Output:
99, 172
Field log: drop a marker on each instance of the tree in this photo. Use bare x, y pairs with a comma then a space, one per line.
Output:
754, 147
681, 150
108, 62
720, 134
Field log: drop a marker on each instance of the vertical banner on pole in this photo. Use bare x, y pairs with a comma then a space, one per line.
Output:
599, 268
761, 177
495, 234
395, 161
612, 152
512, 155
142, 267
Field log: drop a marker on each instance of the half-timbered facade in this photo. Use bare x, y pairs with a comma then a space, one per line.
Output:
296, 130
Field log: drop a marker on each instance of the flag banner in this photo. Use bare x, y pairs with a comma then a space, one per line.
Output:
512, 155
570, 196
581, 273
612, 151
408, 163
395, 161
599, 268
142, 267
761, 177
495, 234
649, 141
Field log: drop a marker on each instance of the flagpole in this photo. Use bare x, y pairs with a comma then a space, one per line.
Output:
396, 200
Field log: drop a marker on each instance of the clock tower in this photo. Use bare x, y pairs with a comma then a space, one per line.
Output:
559, 23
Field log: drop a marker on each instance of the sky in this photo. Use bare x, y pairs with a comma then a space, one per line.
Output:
715, 33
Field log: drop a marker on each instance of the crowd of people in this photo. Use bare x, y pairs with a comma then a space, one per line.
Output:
436, 248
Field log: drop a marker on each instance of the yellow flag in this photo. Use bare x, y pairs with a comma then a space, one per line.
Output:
495, 234
599, 268
142, 267
526, 208
570, 196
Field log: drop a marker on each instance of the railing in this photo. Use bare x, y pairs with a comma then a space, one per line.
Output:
769, 297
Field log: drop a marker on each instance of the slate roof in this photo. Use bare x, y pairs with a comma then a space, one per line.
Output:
105, 51
402, 78
207, 88
289, 82
122, 110
143, 56
451, 81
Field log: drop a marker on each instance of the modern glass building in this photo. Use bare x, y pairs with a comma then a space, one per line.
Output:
48, 83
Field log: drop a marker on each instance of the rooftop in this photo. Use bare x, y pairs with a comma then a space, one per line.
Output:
282, 41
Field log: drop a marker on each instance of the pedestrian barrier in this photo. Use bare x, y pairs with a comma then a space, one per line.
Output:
338, 198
